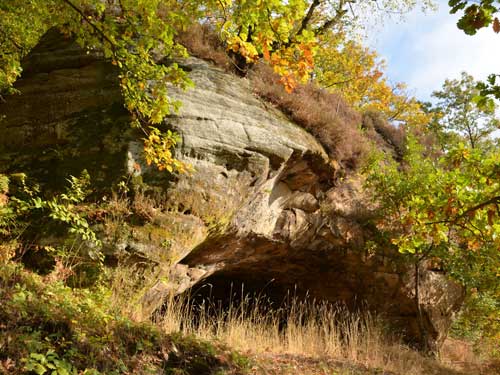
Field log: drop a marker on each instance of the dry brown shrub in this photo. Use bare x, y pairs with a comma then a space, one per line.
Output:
203, 42
144, 207
394, 136
61, 272
460, 355
325, 115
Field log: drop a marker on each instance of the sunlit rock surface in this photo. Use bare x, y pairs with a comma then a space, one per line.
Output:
264, 206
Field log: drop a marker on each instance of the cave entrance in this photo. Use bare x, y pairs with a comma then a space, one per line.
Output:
231, 288
274, 274
272, 287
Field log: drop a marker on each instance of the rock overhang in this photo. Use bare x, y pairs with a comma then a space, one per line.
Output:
267, 202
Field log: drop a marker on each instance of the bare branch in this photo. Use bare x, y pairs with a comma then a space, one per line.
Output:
495, 201
307, 18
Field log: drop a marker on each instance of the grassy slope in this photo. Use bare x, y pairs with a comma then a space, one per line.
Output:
46, 326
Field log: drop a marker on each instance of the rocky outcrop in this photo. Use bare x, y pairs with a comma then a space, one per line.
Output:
70, 116
264, 206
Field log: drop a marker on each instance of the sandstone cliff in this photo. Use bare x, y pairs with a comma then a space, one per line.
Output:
264, 201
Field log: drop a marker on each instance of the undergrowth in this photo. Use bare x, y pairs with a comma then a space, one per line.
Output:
49, 328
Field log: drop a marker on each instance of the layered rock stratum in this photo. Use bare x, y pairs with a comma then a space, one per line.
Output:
264, 205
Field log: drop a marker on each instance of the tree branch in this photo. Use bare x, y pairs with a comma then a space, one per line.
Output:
85, 18
307, 18
304, 23
340, 12
495, 201
342, 82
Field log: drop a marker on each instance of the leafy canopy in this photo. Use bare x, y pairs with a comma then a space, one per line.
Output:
288, 33
357, 73
446, 210
461, 113
476, 15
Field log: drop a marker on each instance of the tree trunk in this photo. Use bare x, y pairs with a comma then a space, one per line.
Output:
420, 316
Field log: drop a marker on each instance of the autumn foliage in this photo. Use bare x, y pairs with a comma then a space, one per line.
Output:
356, 72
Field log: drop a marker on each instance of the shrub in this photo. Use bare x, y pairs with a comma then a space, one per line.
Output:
203, 42
49, 328
394, 136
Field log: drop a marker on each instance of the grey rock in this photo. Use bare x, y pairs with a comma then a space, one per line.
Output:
264, 201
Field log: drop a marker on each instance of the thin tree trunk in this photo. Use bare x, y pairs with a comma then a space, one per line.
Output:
420, 316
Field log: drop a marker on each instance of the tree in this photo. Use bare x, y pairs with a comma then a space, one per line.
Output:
459, 113
446, 211
129, 33
357, 73
287, 33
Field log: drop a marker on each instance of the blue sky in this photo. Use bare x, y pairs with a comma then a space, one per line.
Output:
425, 49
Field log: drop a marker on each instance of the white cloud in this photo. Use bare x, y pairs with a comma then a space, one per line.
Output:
429, 48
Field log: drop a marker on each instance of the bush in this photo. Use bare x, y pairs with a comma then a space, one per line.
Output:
47, 327
394, 136
203, 42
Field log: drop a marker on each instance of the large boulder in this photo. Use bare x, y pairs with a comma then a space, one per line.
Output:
264, 205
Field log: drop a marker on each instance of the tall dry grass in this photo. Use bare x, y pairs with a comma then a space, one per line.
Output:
299, 328
318, 330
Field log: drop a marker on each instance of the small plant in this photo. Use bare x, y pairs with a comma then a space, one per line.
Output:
158, 151
49, 363
79, 188
60, 208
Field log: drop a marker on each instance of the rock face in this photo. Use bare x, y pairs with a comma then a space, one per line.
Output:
70, 116
264, 206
